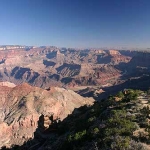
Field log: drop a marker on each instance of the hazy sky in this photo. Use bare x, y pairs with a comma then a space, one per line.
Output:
75, 23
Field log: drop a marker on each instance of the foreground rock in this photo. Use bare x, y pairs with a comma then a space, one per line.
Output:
21, 106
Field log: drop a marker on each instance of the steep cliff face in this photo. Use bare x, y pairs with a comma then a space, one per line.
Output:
21, 106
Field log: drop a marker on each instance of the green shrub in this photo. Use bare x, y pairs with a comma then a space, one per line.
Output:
92, 119
120, 94
77, 136
95, 130
120, 143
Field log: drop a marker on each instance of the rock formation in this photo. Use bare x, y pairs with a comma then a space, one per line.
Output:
22, 105
61, 67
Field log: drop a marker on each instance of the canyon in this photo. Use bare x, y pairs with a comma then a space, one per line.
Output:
66, 67
51, 82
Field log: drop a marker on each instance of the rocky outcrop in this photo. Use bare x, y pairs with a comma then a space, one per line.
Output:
22, 105
8, 84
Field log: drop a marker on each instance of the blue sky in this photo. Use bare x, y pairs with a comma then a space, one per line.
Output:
75, 23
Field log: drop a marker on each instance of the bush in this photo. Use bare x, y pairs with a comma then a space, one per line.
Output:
92, 119
120, 143
120, 94
77, 136
95, 130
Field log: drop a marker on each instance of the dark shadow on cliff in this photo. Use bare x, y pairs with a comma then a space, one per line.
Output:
136, 67
142, 83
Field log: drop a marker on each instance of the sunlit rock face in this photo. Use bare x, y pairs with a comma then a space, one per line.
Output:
22, 105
